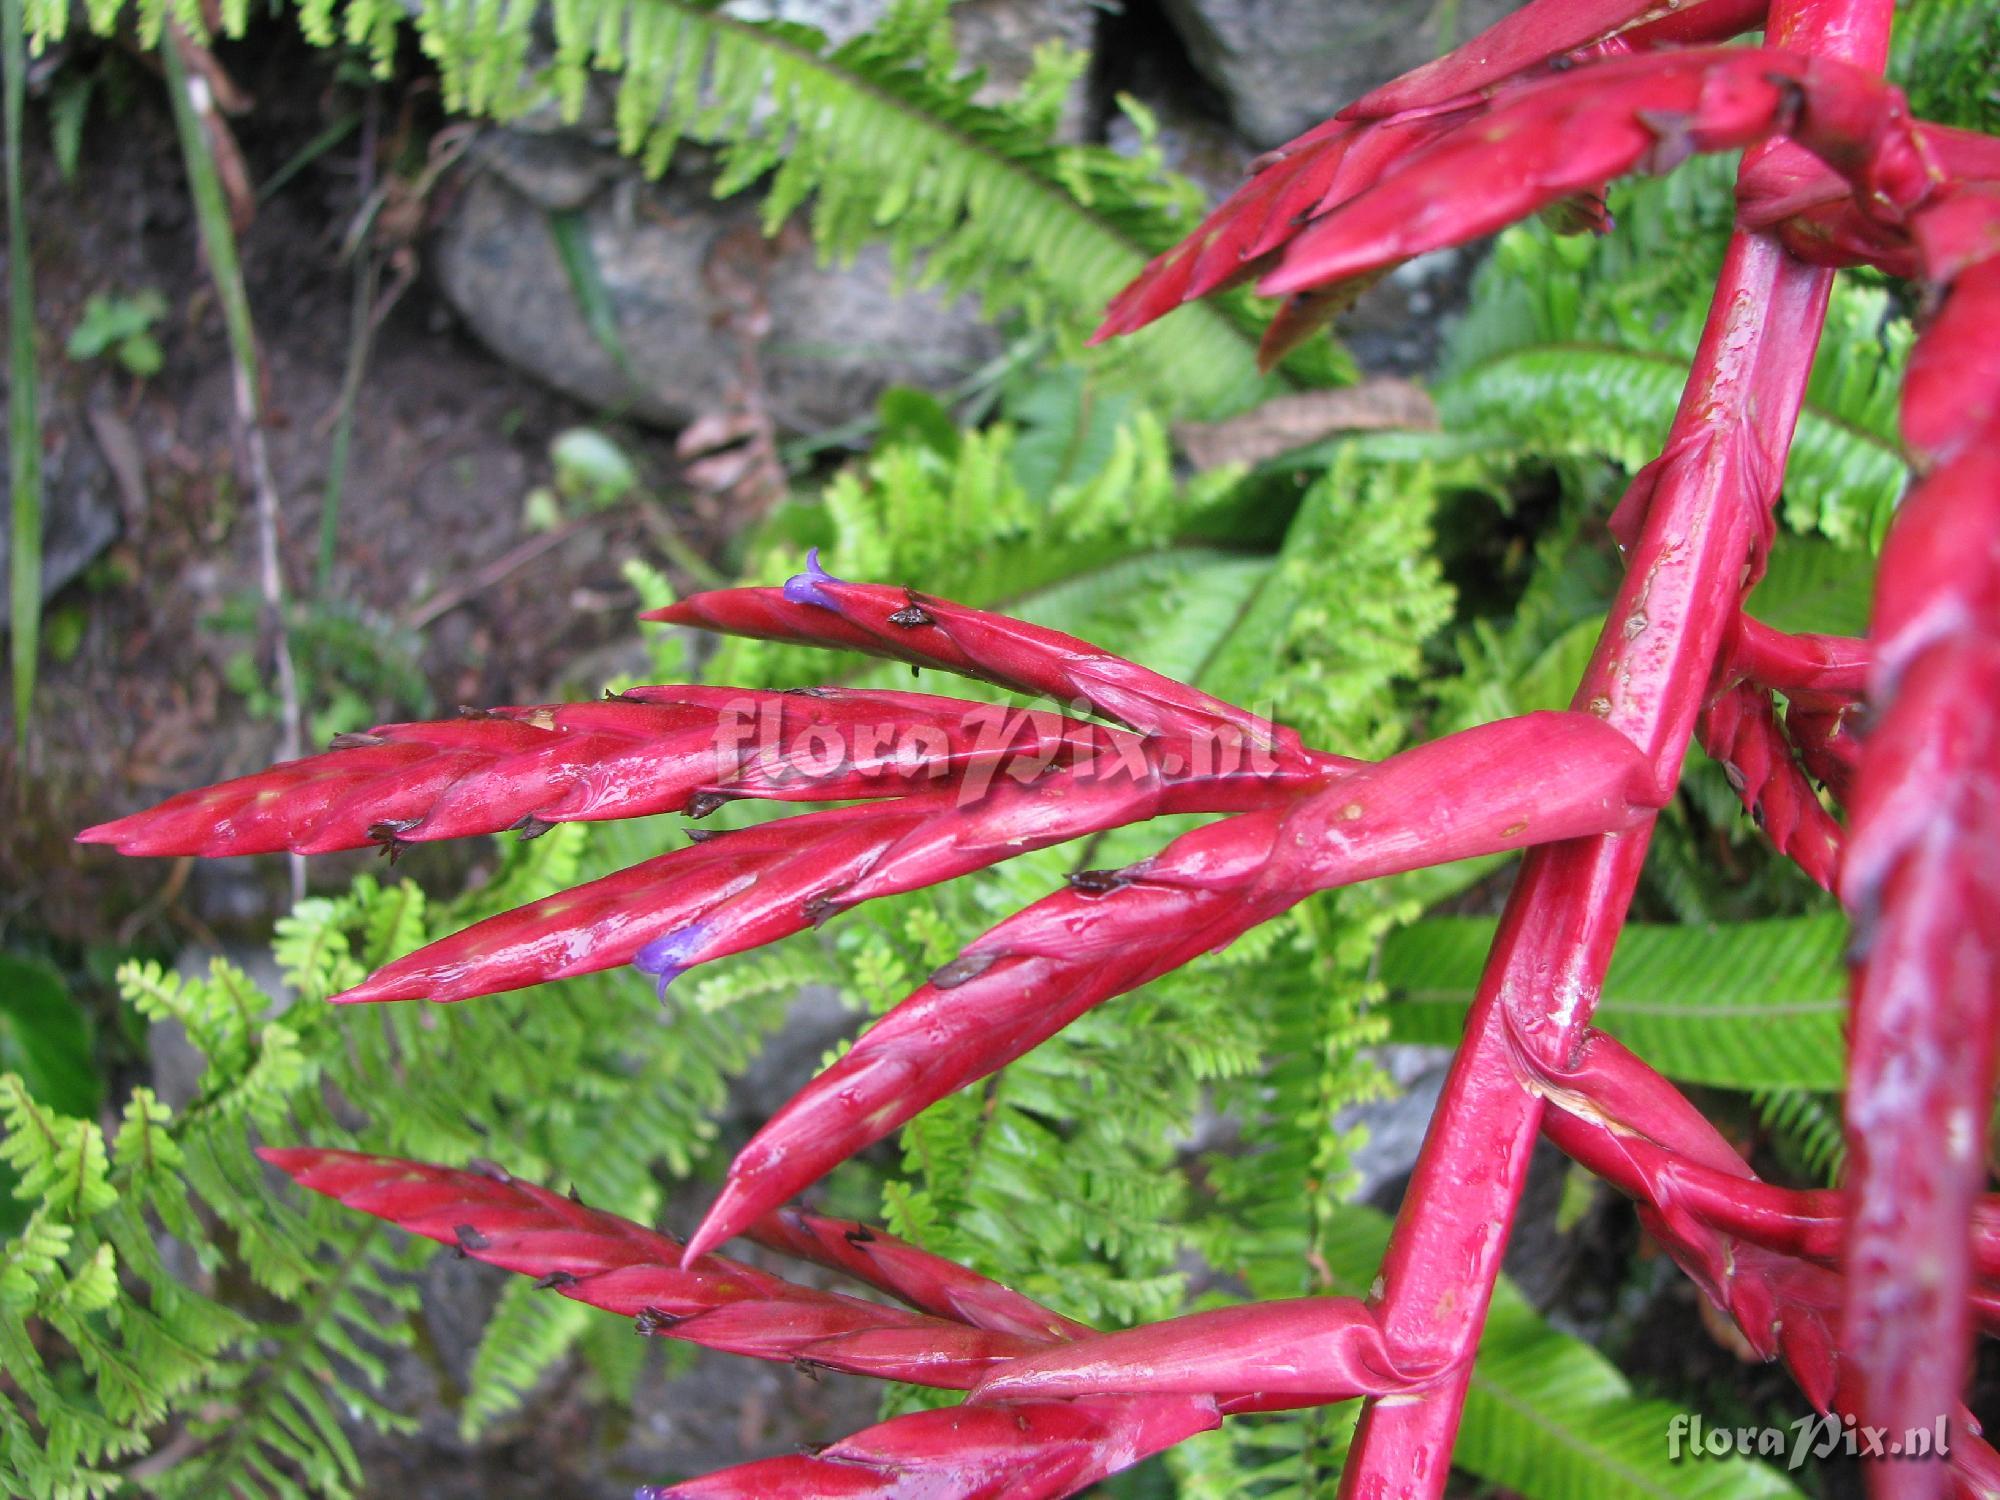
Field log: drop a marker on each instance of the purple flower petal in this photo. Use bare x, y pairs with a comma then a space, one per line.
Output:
804, 588
666, 957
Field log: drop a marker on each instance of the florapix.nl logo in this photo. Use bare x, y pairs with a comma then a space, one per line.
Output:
1820, 1436
830, 743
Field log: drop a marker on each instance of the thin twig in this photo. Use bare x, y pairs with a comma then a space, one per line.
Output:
195, 117
666, 535
360, 326
446, 600
153, 905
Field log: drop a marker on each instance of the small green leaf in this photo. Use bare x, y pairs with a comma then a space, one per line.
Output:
110, 322
1579, 1192
144, 1148
591, 469
1550, 681
141, 354
909, 415
60, 1159
45, 1037
69, 106
31, 1259
571, 233
1067, 428
94, 1287
62, 631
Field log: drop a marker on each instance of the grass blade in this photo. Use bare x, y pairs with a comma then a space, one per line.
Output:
571, 233
24, 426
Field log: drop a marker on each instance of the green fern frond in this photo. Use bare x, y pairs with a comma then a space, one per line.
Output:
526, 1336
61, 1161
262, 1405
1581, 348
1326, 650
883, 138
1811, 585
1808, 1129
1080, 1133
1599, 399
1748, 1005
1078, 483
1946, 53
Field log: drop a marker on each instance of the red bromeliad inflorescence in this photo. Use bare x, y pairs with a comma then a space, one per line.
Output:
1869, 1293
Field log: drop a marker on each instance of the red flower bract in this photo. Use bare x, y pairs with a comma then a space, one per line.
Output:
1870, 1294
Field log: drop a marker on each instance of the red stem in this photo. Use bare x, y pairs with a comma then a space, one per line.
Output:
1706, 513
1823, 671
1632, 1128
1922, 1067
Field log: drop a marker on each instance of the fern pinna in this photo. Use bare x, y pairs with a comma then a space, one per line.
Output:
1869, 1293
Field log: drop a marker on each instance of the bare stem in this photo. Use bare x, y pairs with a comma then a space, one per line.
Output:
195, 117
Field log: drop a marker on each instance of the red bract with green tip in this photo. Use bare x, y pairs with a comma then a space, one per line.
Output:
1870, 1294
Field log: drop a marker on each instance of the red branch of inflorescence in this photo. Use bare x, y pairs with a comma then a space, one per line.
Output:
1870, 1293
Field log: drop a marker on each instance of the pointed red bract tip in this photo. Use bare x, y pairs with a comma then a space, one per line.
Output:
1538, 143
380, 988
737, 1205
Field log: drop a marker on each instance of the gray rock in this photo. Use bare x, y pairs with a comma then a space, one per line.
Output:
1399, 324
556, 169
818, 1020
1196, 145
1000, 36
1396, 1125
837, 336
1285, 65
675, 264
840, 20
80, 511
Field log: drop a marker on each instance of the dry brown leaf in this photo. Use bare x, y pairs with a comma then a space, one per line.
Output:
1288, 422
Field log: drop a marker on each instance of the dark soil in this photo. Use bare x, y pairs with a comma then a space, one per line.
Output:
447, 443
